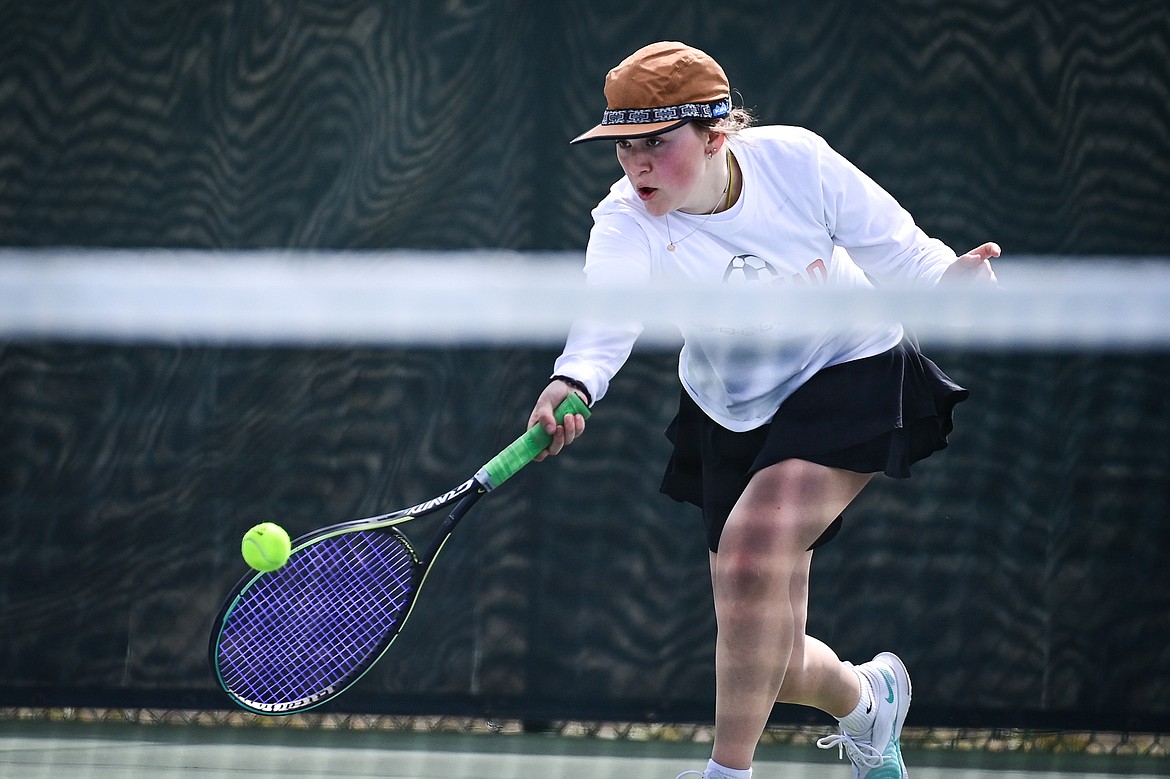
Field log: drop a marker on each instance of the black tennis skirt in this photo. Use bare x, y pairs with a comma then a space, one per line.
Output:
879, 414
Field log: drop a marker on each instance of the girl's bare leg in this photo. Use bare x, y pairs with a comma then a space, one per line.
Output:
760, 580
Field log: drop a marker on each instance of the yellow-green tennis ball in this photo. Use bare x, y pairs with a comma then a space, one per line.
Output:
266, 546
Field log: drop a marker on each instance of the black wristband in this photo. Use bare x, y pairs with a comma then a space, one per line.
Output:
577, 386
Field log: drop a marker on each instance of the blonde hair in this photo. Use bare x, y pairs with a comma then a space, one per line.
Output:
738, 119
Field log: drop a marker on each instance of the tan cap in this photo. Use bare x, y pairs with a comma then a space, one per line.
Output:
658, 88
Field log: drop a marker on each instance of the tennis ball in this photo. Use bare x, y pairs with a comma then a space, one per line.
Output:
266, 546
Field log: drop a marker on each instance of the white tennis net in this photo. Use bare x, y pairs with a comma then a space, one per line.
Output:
489, 297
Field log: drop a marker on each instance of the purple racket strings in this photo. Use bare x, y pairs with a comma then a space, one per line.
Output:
312, 627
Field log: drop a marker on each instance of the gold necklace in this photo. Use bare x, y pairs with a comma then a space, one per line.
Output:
724, 200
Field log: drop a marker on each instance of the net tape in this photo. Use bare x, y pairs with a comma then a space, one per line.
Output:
497, 297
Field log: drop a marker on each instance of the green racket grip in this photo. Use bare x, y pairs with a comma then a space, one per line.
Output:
521, 451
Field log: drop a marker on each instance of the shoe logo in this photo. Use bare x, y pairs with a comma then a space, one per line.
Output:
889, 688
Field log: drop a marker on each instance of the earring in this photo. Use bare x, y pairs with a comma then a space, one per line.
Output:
710, 153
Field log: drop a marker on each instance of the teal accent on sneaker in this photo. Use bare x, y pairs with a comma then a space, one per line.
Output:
892, 766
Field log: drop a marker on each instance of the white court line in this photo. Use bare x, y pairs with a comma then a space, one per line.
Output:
96, 758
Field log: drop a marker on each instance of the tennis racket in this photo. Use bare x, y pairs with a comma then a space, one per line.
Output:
294, 638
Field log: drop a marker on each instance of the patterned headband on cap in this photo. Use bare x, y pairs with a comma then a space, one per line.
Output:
667, 113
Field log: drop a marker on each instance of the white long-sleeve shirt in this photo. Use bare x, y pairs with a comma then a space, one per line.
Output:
806, 215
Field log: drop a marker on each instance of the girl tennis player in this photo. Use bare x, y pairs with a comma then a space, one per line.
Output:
774, 436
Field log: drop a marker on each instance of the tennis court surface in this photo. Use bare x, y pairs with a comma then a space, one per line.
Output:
72, 750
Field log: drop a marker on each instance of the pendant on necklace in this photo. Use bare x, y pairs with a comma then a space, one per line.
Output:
670, 247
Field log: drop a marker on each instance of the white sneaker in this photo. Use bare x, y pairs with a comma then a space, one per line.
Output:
689, 773
878, 753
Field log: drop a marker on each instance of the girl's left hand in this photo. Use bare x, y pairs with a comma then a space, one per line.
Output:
973, 267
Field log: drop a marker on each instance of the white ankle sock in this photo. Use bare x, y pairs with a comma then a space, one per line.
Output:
716, 771
861, 718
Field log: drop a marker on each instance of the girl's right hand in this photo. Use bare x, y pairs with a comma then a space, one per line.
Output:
542, 414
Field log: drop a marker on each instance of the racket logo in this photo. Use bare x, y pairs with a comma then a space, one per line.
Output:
443, 499
277, 708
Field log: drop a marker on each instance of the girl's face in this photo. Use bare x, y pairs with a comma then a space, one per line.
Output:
671, 171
